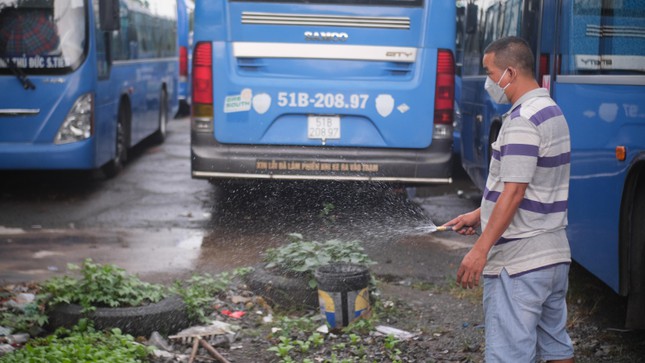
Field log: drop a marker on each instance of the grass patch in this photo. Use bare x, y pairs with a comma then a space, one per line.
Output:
82, 344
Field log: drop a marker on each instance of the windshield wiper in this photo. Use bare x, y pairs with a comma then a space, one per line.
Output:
22, 77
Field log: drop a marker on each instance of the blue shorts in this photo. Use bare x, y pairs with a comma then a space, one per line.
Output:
526, 316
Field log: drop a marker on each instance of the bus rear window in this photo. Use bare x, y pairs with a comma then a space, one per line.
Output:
408, 3
605, 37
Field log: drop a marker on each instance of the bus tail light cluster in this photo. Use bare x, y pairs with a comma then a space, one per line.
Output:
202, 118
444, 101
79, 122
183, 64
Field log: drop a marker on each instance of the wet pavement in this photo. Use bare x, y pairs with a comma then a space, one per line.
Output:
157, 222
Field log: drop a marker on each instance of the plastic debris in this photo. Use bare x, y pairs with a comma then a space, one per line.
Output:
240, 299
6, 349
17, 339
216, 328
20, 301
323, 329
158, 341
158, 353
233, 314
397, 333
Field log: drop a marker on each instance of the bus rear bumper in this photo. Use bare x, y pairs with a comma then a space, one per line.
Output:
211, 160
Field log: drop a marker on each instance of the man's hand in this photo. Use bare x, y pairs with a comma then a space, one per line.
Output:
465, 223
471, 268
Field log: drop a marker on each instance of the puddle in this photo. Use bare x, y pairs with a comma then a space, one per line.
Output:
156, 256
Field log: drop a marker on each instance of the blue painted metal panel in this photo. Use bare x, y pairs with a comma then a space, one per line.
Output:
601, 120
407, 88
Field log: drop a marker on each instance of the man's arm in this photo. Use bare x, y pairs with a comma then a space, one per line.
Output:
472, 266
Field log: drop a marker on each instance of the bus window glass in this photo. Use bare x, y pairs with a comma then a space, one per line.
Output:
42, 36
488, 20
102, 64
605, 37
511, 23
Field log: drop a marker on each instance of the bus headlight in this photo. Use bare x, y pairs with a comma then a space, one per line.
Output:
78, 124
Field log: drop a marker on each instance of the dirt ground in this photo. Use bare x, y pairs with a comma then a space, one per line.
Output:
447, 324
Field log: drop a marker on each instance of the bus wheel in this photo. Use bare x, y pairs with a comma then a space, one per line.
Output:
160, 135
114, 166
635, 318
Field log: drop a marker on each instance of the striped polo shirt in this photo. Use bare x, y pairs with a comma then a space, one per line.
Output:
533, 147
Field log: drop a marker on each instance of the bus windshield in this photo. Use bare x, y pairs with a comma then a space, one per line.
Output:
42, 36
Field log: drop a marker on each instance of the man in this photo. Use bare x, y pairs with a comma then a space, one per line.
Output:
523, 252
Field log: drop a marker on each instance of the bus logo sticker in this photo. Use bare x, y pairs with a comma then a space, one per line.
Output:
384, 105
261, 103
608, 111
326, 36
403, 108
238, 103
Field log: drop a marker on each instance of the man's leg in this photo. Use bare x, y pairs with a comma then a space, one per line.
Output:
554, 343
512, 309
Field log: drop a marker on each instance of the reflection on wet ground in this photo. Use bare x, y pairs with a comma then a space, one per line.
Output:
237, 226
154, 220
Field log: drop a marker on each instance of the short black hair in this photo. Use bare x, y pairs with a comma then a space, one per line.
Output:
512, 51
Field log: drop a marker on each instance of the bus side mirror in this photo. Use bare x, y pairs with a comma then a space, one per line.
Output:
109, 14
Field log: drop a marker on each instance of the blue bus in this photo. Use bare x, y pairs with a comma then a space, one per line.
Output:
591, 56
82, 81
323, 90
184, 20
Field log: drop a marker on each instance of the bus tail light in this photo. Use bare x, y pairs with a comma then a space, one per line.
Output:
79, 122
202, 118
183, 64
444, 101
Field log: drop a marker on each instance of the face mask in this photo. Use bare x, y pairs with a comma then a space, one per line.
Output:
495, 91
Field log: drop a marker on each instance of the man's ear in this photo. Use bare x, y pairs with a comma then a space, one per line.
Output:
513, 73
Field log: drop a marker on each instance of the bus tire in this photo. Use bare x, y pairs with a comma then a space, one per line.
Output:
114, 166
160, 135
635, 316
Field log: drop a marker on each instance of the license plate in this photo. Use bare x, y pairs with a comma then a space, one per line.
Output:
323, 127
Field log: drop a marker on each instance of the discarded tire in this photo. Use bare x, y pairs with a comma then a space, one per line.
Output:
283, 290
167, 316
